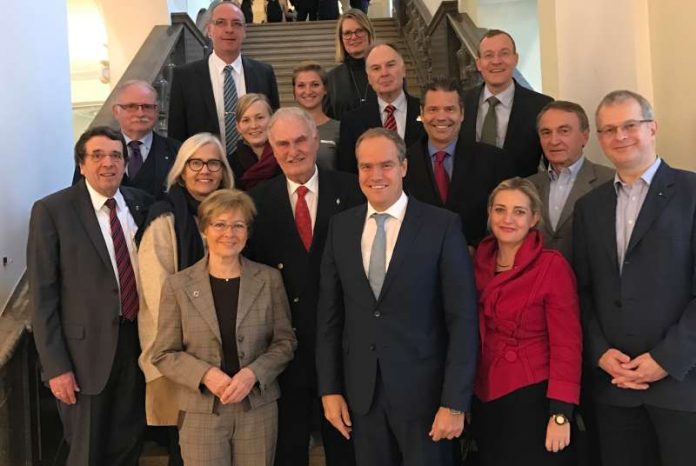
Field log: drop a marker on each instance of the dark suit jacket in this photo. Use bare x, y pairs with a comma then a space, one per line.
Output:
152, 176
590, 176
521, 139
73, 291
275, 242
356, 122
651, 305
422, 329
192, 104
477, 169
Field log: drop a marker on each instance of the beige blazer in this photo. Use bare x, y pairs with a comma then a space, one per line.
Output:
188, 340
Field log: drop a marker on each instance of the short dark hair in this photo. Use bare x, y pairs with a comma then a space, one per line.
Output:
81, 151
445, 84
569, 107
492, 33
393, 136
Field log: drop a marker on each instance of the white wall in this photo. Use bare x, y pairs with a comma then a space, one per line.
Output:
36, 155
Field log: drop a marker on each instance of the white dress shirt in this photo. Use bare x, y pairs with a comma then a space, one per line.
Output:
392, 226
502, 112
401, 105
311, 197
128, 226
217, 79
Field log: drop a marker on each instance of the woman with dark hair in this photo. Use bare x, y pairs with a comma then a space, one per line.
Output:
347, 87
528, 379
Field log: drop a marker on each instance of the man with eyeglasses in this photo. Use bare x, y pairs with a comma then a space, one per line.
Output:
83, 293
150, 156
500, 112
635, 260
205, 93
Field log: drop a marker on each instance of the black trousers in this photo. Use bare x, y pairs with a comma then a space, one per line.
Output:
297, 414
646, 436
107, 429
511, 430
385, 437
307, 9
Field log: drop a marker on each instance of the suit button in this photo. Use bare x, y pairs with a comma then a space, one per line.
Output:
372, 347
510, 356
617, 303
296, 300
378, 314
240, 338
280, 266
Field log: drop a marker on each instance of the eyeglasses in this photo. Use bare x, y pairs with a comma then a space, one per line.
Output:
221, 227
97, 156
214, 165
627, 127
136, 107
360, 32
224, 23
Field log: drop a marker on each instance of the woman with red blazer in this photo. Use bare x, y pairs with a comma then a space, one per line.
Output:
528, 378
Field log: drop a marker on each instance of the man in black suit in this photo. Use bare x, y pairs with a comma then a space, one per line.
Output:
500, 112
635, 260
82, 269
197, 102
397, 334
447, 171
281, 240
391, 108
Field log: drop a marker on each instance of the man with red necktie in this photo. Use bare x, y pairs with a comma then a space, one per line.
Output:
82, 271
445, 170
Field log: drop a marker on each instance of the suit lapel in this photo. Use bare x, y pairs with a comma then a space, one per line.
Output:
517, 105
605, 220
582, 185
353, 235
463, 159
412, 130
206, 88
85, 212
408, 235
659, 195
249, 288
544, 193
201, 295
328, 203
136, 208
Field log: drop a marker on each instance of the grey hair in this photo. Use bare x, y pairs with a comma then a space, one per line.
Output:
188, 149
622, 95
296, 113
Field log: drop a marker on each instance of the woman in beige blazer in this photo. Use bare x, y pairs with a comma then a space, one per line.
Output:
224, 336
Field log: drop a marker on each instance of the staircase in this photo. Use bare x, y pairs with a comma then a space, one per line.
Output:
285, 45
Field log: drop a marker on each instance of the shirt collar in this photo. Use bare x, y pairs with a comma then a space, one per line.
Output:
312, 184
573, 170
219, 65
450, 148
396, 210
504, 97
647, 175
145, 140
399, 103
98, 199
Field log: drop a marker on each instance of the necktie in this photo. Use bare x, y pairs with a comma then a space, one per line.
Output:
377, 268
489, 130
126, 276
390, 121
441, 177
231, 100
135, 161
303, 221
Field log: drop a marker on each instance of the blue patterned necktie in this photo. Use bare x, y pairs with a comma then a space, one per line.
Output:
378, 256
231, 100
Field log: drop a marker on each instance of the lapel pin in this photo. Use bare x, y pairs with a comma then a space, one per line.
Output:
660, 194
196, 293
166, 157
338, 201
137, 208
280, 266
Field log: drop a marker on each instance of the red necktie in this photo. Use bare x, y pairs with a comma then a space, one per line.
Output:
441, 177
390, 121
302, 219
126, 276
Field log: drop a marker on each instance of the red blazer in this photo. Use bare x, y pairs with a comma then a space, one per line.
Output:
529, 322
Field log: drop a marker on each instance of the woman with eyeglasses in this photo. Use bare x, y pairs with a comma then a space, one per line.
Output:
309, 89
224, 336
171, 242
252, 161
347, 87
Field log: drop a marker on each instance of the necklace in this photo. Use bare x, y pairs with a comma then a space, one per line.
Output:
355, 85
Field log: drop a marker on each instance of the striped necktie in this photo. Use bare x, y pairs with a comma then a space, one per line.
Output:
390, 121
231, 100
126, 275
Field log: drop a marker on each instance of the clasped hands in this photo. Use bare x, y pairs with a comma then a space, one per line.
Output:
229, 389
634, 374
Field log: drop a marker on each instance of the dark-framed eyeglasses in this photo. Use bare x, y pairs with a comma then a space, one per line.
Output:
98, 156
136, 107
360, 32
214, 165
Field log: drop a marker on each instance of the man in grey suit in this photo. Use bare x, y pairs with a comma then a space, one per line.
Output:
635, 260
563, 130
82, 269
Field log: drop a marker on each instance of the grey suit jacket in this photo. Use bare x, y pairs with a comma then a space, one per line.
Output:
590, 176
188, 341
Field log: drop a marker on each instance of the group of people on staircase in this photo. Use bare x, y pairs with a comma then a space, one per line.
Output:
480, 275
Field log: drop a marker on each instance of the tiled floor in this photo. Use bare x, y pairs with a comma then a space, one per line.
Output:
154, 455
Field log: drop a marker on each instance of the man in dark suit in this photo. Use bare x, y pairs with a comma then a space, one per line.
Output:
82, 269
282, 240
397, 334
392, 108
197, 101
635, 260
500, 112
150, 156
564, 130
445, 170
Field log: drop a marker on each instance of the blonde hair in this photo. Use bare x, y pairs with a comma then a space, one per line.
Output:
524, 186
188, 149
224, 200
247, 100
359, 17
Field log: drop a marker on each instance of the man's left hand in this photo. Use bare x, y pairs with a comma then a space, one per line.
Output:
446, 425
646, 367
239, 387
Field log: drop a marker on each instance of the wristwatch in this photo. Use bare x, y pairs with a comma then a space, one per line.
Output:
456, 412
560, 419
